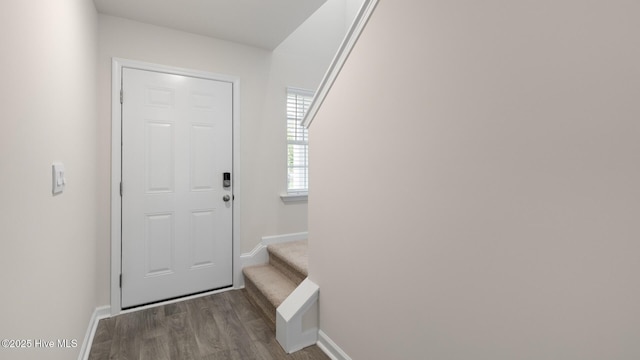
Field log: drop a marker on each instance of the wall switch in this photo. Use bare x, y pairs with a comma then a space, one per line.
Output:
58, 178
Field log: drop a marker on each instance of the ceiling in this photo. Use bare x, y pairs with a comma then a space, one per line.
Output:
261, 23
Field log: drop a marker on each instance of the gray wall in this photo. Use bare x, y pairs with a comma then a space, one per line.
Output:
474, 183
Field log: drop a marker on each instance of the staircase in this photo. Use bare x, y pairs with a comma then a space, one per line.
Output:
267, 286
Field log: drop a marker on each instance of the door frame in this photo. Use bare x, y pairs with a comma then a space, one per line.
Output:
117, 64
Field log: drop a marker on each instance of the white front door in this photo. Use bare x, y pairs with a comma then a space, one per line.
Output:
176, 209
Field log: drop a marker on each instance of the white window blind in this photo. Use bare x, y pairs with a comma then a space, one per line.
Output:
298, 101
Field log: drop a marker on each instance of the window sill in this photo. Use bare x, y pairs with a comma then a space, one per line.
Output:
294, 197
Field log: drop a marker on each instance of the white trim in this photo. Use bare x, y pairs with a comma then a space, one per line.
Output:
98, 314
257, 256
173, 301
116, 176
116, 165
341, 57
294, 197
297, 318
260, 256
330, 348
276, 239
300, 91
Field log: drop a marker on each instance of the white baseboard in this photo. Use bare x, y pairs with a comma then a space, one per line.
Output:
330, 348
259, 254
99, 313
276, 239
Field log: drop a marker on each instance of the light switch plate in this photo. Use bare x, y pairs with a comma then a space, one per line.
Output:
58, 178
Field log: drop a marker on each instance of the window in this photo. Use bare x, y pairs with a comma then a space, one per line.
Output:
298, 102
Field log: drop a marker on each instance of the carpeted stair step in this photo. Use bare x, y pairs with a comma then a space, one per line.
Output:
267, 288
291, 259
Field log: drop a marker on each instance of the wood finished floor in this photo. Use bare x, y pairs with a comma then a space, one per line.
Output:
220, 326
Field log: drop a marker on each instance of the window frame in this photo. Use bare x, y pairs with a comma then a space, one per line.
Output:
297, 194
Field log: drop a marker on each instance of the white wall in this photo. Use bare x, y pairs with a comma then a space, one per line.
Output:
488, 206
317, 39
48, 251
264, 77
352, 8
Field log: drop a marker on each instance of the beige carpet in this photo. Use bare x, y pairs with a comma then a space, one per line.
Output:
270, 284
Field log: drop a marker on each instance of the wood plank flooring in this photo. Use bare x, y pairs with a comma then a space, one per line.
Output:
220, 326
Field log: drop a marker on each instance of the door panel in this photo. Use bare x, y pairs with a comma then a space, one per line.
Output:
159, 244
159, 162
176, 144
202, 145
202, 229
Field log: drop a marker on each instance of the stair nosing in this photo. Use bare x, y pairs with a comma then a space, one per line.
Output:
275, 251
274, 298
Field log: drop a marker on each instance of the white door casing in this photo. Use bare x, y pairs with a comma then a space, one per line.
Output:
177, 231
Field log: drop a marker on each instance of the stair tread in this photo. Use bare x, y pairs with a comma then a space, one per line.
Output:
293, 253
274, 285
